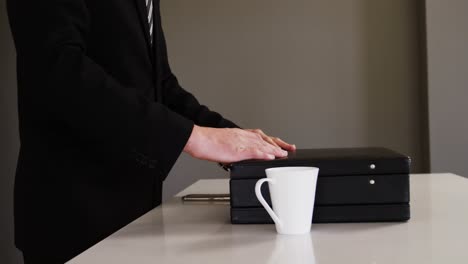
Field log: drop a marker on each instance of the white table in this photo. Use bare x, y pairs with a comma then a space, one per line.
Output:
201, 233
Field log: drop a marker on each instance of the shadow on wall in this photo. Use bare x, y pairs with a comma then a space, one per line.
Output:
9, 139
392, 49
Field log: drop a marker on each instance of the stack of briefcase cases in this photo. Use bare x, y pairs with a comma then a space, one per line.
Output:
354, 185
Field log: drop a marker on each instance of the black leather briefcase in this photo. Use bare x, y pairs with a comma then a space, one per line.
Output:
354, 185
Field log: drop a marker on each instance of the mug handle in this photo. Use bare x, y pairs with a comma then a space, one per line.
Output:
259, 195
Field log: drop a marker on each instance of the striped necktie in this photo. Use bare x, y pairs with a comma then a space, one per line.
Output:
149, 8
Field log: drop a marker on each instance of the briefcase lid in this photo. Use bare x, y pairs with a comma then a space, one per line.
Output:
331, 162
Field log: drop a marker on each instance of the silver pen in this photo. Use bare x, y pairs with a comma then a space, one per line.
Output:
206, 198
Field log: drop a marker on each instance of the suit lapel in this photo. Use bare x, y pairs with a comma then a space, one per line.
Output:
142, 14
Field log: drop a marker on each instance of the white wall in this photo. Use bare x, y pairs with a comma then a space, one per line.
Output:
447, 42
323, 73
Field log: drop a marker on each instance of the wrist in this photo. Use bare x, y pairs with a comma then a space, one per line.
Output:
193, 139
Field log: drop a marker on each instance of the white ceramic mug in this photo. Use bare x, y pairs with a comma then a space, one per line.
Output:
292, 192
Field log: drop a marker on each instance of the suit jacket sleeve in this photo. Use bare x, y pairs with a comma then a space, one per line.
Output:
72, 89
183, 102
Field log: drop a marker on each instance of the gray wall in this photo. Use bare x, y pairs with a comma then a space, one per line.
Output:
9, 141
447, 42
324, 73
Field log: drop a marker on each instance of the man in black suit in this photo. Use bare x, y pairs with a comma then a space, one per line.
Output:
102, 121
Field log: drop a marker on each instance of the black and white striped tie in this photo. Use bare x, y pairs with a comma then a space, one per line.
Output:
149, 7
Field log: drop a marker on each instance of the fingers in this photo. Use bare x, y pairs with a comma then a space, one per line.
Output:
264, 137
254, 151
258, 154
275, 141
267, 148
270, 149
270, 140
284, 145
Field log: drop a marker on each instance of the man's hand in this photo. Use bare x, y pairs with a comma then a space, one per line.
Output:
275, 141
228, 145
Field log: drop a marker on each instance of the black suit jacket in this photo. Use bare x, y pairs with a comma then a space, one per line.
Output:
102, 119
